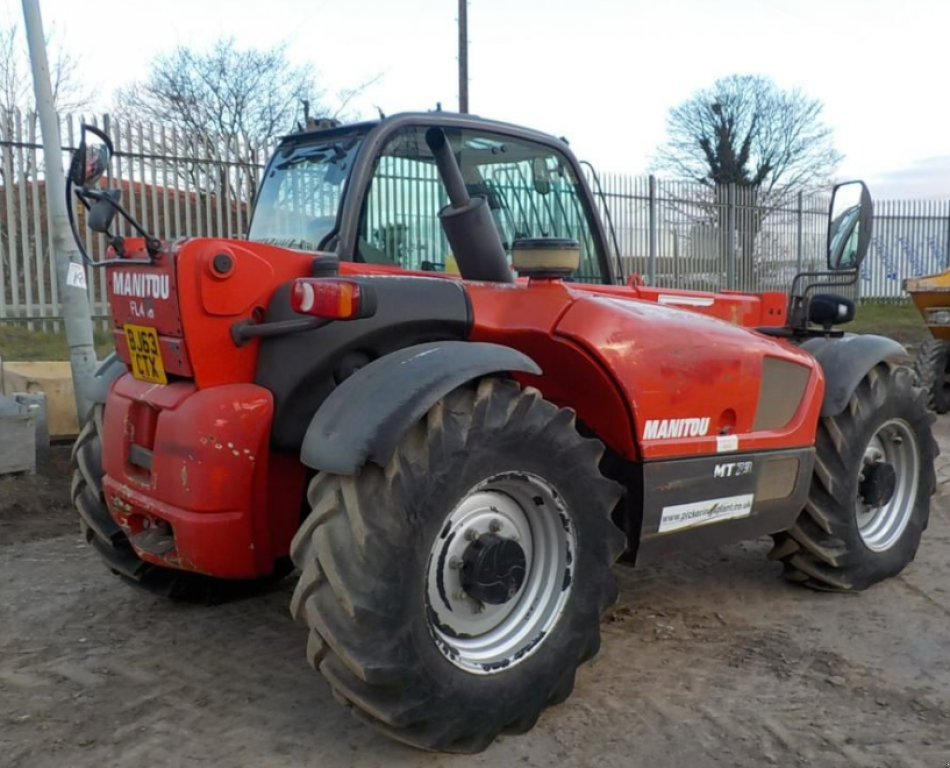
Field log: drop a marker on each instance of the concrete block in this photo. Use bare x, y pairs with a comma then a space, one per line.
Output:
55, 380
35, 402
17, 438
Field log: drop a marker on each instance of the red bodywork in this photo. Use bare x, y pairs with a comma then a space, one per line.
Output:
619, 356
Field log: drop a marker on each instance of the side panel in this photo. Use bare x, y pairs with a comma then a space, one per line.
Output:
695, 504
525, 317
693, 382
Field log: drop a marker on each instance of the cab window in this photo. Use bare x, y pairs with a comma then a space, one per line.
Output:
531, 190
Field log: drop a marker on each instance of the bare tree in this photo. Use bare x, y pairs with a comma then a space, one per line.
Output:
227, 90
747, 134
746, 131
70, 93
226, 100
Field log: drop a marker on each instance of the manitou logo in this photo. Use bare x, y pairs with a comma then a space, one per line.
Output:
665, 429
140, 286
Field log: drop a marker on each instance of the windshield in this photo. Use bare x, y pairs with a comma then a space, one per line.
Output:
301, 193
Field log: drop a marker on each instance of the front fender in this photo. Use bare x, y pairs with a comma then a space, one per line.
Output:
845, 361
365, 417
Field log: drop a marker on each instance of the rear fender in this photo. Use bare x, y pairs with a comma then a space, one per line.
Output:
108, 371
365, 417
845, 361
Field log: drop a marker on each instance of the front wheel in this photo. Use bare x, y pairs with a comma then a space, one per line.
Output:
870, 495
452, 595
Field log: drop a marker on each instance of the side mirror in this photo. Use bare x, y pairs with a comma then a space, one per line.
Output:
849, 226
90, 160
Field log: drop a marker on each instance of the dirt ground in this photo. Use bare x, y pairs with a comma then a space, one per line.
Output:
714, 662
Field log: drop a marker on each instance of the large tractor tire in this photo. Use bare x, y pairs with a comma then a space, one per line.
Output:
933, 372
451, 596
101, 531
870, 494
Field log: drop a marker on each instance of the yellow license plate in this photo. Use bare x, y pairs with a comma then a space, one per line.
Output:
145, 354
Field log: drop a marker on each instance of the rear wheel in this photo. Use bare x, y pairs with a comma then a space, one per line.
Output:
452, 595
102, 533
870, 495
933, 372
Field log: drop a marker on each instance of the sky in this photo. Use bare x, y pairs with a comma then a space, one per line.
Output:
603, 73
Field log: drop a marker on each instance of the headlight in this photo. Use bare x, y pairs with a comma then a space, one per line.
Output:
938, 316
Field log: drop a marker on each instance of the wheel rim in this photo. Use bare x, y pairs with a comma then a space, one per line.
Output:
483, 632
881, 521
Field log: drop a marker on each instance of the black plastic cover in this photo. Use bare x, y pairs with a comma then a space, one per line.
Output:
847, 360
302, 369
365, 418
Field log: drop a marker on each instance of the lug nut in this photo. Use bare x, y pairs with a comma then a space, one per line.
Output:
461, 595
455, 564
471, 534
494, 526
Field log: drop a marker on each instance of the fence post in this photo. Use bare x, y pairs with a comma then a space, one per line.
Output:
800, 235
676, 258
731, 238
651, 265
948, 234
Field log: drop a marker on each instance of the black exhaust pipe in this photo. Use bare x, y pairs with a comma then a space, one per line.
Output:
467, 221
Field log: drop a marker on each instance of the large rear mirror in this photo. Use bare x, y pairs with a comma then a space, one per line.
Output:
849, 226
91, 160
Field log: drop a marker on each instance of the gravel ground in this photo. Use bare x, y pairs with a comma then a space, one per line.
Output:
712, 662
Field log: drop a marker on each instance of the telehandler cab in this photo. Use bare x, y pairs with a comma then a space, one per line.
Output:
423, 381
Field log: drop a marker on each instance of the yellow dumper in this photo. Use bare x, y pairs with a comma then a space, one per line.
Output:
931, 294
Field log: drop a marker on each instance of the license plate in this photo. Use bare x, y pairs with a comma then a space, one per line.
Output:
145, 354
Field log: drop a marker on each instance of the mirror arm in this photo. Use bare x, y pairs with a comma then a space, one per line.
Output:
798, 301
152, 245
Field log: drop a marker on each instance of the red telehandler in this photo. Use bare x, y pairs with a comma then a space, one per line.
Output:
422, 381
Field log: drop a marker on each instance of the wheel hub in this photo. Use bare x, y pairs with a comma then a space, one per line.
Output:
499, 573
493, 569
888, 481
879, 484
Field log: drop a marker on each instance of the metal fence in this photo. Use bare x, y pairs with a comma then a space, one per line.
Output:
674, 234
687, 235
911, 239
175, 184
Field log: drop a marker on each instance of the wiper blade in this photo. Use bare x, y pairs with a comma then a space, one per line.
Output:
295, 243
315, 155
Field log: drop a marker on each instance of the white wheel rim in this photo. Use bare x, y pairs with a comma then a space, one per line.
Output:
481, 638
881, 526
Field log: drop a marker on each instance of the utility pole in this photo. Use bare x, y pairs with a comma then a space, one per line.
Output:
463, 56
70, 273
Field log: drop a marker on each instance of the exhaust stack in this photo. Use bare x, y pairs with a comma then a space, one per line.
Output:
467, 221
